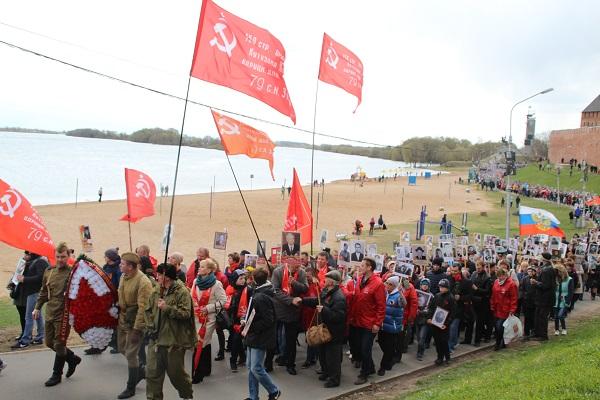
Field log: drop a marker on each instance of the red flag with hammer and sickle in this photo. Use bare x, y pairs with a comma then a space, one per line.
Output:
21, 226
239, 138
299, 216
141, 193
233, 52
341, 67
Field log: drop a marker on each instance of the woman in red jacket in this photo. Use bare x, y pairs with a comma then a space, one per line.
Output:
503, 303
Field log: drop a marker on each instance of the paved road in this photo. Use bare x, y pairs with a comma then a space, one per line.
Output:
103, 377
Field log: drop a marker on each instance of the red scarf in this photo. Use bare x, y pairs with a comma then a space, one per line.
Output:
243, 305
198, 304
457, 277
286, 287
321, 275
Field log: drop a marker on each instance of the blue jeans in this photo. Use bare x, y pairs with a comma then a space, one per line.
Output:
560, 313
29, 322
454, 333
423, 337
257, 374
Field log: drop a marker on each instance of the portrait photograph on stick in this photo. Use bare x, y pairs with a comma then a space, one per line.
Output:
220, 242
290, 244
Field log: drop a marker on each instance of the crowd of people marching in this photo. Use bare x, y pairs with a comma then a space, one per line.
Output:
258, 313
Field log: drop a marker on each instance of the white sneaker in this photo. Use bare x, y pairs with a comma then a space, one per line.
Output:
556, 333
564, 331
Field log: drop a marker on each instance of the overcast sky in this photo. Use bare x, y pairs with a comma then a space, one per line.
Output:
437, 68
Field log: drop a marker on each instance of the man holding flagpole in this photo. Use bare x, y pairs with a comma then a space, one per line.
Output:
534, 221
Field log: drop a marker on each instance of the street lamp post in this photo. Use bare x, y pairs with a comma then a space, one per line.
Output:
507, 188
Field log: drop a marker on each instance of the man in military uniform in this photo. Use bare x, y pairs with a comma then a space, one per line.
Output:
54, 286
134, 290
170, 324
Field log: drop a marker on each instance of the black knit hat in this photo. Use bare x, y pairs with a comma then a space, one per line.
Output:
169, 270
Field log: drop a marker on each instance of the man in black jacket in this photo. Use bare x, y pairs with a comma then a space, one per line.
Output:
544, 284
288, 282
528, 301
436, 275
332, 311
482, 289
30, 284
260, 336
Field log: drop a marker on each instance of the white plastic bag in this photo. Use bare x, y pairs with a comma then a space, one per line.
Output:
513, 329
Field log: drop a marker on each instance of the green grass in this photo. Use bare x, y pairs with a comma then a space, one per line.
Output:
9, 317
532, 175
560, 369
492, 224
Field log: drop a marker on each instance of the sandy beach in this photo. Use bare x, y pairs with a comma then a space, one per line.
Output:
343, 203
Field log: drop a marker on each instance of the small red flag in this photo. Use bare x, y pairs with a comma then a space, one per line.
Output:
299, 216
341, 67
141, 193
235, 53
21, 226
239, 138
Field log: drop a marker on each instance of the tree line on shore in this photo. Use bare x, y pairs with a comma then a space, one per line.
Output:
422, 150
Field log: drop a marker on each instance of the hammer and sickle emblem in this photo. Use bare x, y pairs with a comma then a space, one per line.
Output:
332, 57
229, 128
227, 46
11, 207
143, 188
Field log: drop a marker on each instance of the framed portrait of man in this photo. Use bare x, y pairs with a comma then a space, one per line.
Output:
419, 253
86, 238
404, 269
323, 238
405, 236
439, 317
357, 251
378, 262
344, 253
250, 260
427, 240
220, 242
290, 244
371, 249
423, 298
260, 251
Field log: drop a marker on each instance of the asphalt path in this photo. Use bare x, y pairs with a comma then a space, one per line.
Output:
102, 377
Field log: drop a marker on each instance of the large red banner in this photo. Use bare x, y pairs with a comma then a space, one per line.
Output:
141, 194
239, 138
233, 52
341, 67
20, 224
299, 216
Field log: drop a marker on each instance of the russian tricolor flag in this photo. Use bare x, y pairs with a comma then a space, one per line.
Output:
534, 221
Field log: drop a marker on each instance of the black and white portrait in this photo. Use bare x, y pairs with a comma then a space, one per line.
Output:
357, 250
344, 253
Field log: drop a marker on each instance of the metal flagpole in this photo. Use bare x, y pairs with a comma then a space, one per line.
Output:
246, 206
312, 168
177, 170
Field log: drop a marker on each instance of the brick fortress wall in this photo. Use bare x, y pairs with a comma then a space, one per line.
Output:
581, 144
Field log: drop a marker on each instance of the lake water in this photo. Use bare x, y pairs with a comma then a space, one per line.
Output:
46, 168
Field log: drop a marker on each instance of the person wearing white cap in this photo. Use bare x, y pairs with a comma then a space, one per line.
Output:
389, 335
